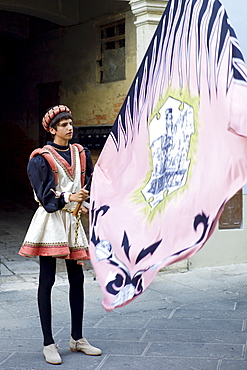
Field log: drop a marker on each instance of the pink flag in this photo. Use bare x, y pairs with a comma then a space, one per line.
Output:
177, 151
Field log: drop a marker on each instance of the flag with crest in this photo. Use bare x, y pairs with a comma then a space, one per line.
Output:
176, 153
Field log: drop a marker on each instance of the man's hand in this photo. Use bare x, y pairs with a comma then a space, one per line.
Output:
84, 210
80, 196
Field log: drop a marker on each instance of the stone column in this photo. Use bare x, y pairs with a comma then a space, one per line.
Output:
148, 14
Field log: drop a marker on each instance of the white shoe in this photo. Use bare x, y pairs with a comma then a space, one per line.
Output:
51, 354
83, 346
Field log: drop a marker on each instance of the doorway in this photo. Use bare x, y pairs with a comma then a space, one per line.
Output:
48, 96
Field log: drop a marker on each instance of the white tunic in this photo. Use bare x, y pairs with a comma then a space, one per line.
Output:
59, 234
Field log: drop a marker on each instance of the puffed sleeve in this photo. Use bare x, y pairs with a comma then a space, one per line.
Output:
42, 180
89, 165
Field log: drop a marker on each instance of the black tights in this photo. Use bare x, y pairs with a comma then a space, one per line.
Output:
76, 296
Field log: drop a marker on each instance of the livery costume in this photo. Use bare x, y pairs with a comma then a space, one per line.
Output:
54, 231
56, 171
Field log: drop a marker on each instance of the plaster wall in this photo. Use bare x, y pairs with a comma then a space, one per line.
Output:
69, 55
92, 102
224, 247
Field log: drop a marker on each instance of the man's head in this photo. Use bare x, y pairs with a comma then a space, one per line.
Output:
54, 115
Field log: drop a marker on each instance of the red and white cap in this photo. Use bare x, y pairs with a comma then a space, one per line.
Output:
51, 113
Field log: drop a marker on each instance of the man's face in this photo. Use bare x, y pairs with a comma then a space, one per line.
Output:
64, 130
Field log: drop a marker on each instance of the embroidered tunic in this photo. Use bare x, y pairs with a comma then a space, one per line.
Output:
54, 231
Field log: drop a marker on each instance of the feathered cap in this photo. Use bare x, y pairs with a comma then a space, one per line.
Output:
51, 113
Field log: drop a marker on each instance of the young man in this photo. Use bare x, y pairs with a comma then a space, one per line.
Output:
58, 174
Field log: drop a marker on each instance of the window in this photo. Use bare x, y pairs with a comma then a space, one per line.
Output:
112, 60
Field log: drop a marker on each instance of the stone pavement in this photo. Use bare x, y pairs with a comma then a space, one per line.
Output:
185, 320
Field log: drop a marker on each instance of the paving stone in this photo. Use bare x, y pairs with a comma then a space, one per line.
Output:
219, 305
195, 336
5, 271
157, 363
197, 324
133, 322
71, 361
24, 267
213, 313
4, 354
195, 320
233, 365
205, 350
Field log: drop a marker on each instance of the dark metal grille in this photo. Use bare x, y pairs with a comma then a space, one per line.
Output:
112, 61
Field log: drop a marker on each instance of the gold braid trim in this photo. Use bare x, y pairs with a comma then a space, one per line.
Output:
77, 222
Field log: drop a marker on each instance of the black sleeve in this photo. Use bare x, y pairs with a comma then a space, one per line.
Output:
42, 180
89, 166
